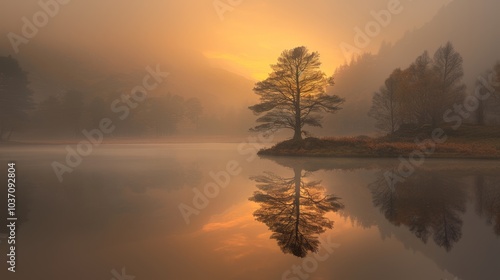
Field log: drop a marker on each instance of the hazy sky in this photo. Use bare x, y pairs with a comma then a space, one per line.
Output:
245, 39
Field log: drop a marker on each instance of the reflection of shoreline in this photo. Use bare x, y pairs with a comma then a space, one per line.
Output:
487, 196
350, 178
431, 203
479, 223
294, 210
458, 167
427, 203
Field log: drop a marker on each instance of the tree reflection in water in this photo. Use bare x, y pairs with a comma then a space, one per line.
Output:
427, 202
487, 193
294, 210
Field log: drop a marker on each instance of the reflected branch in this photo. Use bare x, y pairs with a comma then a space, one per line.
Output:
294, 210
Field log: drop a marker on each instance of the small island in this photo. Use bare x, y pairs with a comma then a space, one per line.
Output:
423, 111
469, 142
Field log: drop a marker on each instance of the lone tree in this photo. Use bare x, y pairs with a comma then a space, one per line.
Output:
294, 94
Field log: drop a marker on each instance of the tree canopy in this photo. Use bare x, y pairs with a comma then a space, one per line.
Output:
294, 94
421, 93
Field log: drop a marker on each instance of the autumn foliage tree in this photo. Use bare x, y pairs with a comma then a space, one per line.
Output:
448, 64
421, 93
386, 107
293, 96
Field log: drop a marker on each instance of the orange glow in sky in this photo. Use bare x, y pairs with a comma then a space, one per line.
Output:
245, 38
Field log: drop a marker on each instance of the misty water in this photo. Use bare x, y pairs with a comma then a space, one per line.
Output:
119, 209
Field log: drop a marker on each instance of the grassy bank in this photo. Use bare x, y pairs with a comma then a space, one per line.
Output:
468, 142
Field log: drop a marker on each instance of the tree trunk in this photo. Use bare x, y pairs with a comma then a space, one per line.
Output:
480, 194
296, 202
480, 113
298, 123
297, 136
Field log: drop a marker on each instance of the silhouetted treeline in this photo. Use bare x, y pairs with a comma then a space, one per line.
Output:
15, 97
422, 93
66, 115
488, 110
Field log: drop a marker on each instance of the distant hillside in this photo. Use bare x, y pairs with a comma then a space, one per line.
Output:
225, 96
477, 40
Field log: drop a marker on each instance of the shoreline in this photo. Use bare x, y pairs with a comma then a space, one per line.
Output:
381, 148
350, 156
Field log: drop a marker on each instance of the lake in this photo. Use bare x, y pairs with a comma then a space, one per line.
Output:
215, 211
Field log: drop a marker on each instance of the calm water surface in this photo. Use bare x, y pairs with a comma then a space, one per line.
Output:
277, 218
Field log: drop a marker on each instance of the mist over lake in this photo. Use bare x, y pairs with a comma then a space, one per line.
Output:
121, 206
